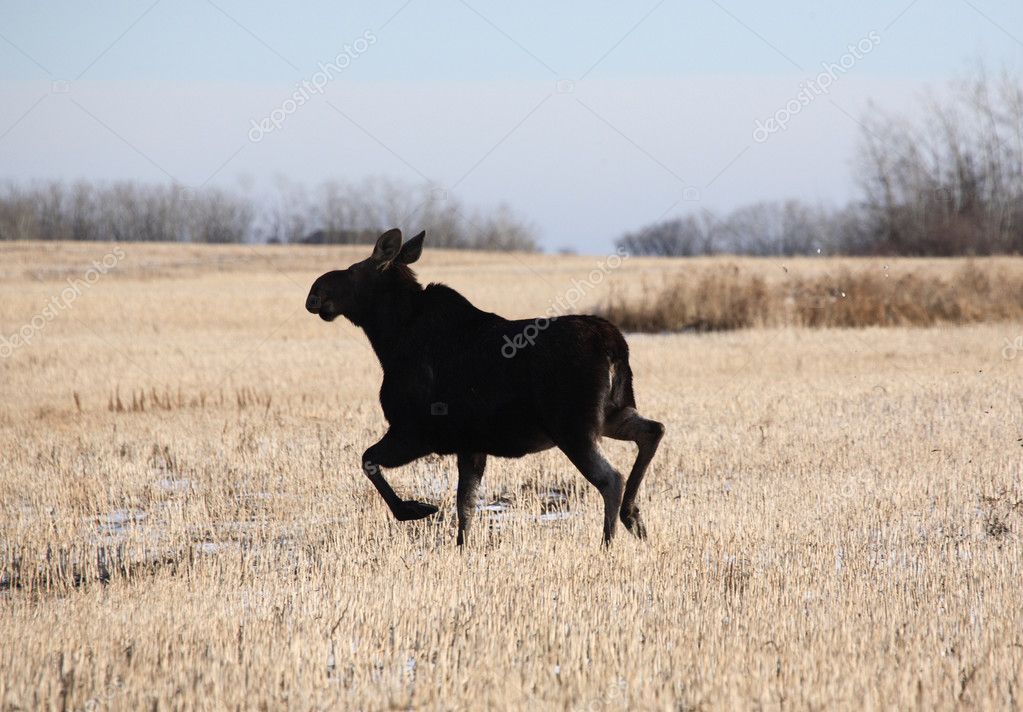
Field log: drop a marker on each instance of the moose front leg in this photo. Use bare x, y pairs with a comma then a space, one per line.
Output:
394, 451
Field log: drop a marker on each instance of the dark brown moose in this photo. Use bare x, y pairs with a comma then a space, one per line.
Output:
461, 381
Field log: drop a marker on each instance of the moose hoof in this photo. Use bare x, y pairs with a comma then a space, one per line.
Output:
410, 510
634, 523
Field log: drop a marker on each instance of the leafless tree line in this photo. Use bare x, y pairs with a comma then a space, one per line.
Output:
949, 185
788, 228
122, 211
337, 212
333, 212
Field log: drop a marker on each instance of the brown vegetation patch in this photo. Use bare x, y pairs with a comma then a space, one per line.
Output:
725, 297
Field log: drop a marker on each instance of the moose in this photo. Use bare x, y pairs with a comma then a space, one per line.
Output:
451, 386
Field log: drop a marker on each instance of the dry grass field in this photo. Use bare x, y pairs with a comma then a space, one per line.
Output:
835, 514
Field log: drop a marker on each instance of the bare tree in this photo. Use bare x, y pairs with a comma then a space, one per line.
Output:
949, 185
678, 237
789, 228
217, 217
952, 184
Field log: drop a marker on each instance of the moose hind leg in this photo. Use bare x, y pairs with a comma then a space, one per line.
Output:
394, 451
470, 473
628, 424
587, 458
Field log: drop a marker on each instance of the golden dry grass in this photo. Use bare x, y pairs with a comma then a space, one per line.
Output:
835, 514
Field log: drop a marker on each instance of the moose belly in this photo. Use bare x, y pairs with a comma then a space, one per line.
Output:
465, 409
499, 439
453, 426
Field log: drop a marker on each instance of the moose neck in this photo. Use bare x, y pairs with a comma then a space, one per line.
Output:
389, 321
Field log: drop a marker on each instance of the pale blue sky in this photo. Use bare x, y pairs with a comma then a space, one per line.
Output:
663, 96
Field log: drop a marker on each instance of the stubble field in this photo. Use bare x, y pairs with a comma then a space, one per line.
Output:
834, 513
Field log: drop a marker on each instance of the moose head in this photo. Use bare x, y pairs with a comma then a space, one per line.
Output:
353, 292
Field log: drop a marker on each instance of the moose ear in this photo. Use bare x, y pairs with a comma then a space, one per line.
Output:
411, 250
387, 247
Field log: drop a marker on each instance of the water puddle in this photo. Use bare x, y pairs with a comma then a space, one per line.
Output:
119, 521
554, 506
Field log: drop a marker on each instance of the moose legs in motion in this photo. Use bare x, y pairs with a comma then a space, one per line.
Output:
619, 501
627, 424
394, 451
619, 498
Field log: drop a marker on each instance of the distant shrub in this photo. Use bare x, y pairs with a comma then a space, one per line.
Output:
725, 298
719, 300
858, 299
